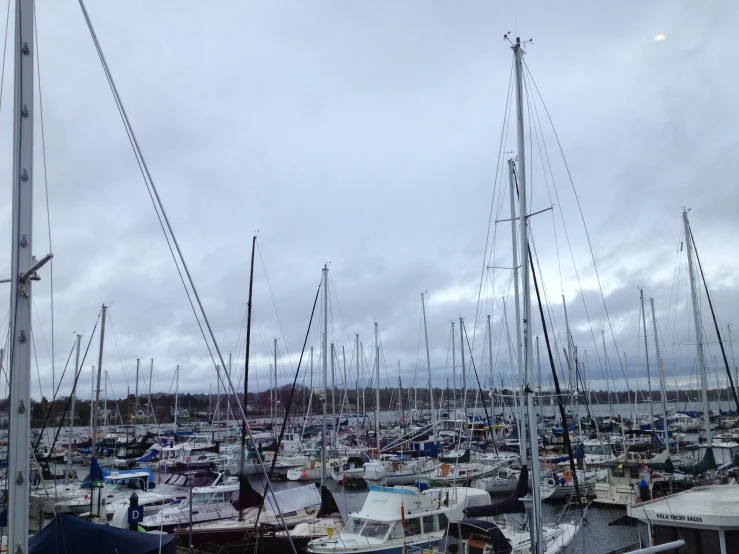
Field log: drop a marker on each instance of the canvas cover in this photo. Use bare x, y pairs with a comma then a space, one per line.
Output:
65, 533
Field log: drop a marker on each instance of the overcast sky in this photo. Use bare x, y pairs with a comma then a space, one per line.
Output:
367, 135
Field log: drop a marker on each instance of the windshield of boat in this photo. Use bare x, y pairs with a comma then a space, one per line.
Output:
113, 487
374, 529
595, 449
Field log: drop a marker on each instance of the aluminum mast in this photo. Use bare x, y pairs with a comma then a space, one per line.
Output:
698, 331
538, 542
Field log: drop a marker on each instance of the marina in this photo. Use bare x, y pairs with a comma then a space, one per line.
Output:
565, 384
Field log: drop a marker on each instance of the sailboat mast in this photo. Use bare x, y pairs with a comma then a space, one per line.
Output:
490, 355
428, 364
333, 395
733, 362
646, 357
538, 541
356, 347
71, 413
325, 373
608, 377
454, 374
246, 362
136, 397
464, 372
97, 388
377, 391
177, 398
698, 331
149, 408
274, 398
19, 429
662, 386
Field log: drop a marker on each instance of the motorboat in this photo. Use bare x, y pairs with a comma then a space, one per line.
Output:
393, 518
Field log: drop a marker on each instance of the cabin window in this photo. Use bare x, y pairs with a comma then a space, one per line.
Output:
353, 526
375, 530
413, 526
617, 471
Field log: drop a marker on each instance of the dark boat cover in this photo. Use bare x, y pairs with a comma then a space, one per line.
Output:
65, 533
706, 464
511, 505
247, 497
328, 504
463, 459
479, 535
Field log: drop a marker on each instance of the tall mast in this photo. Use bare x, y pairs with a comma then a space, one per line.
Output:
464, 372
274, 400
177, 399
662, 386
517, 294
733, 362
428, 364
490, 353
22, 262
346, 383
519, 409
698, 331
377, 392
608, 377
325, 372
646, 357
333, 396
454, 373
71, 416
149, 407
105, 399
95, 439
356, 347
136, 397
246, 361
537, 537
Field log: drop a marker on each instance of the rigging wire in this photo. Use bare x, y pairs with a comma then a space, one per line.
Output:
587, 233
492, 203
46, 189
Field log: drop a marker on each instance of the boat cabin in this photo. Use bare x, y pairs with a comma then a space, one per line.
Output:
706, 518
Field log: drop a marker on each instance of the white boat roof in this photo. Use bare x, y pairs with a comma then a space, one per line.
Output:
711, 506
229, 487
384, 503
128, 475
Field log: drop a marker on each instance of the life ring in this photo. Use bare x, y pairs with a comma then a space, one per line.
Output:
551, 482
188, 459
637, 457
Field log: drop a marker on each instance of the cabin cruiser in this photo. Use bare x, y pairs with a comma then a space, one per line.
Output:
186, 451
703, 519
379, 525
398, 470
561, 485
117, 486
176, 487
206, 504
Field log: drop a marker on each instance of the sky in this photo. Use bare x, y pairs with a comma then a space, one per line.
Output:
373, 137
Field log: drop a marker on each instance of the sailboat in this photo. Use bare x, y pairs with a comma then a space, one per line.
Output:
530, 535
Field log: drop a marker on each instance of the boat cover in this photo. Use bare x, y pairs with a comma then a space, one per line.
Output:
328, 504
475, 530
65, 533
707, 463
148, 456
511, 505
463, 459
292, 500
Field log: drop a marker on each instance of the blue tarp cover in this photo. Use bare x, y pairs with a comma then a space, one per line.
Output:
65, 533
